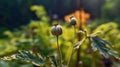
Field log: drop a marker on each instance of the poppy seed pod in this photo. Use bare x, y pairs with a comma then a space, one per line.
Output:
56, 30
73, 20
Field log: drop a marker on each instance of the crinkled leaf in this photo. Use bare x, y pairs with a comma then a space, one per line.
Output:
103, 41
114, 53
96, 45
54, 61
27, 56
101, 45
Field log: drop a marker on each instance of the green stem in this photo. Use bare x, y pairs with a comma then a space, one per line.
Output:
78, 58
72, 47
70, 57
59, 52
92, 54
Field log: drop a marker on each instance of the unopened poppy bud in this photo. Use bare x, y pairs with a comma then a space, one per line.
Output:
73, 20
56, 30
80, 35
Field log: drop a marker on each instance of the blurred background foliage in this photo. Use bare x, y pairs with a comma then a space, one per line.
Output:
25, 26
20, 10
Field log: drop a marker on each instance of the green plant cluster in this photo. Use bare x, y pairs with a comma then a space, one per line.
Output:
34, 45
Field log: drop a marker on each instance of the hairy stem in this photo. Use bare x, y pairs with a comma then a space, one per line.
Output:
59, 52
78, 58
78, 53
72, 47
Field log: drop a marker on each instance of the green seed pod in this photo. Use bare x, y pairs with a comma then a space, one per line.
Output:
73, 20
80, 35
56, 30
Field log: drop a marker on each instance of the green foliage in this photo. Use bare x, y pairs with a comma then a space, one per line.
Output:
35, 45
27, 56
110, 10
111, 33
101, 45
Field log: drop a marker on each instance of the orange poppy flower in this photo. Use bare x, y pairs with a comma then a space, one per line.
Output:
80, 15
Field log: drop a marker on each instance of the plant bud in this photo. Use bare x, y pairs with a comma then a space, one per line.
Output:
56, 30
80, 35
73, 20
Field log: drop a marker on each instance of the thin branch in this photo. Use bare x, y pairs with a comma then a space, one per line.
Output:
72, 47
59, 52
